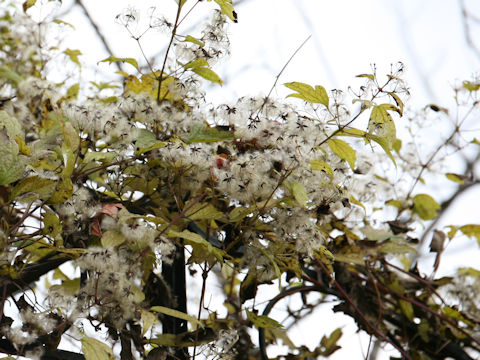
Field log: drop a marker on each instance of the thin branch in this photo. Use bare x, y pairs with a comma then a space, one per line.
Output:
98, 31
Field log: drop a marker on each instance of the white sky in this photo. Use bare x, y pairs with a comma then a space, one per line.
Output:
347, 37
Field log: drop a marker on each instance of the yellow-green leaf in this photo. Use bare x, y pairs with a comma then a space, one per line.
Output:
28, 4
471, 86
112, 238
94, 349
200, 62
330, 342
398, 101
73, 55
148, 319
309, 94
34, 184
9, 74
208, 74
262, 321
425, 206
368, 76
194, 40
112, 59
51, 224
227, 9
343, 151
322, 166
407, 309
177, 314
455, 178
471, 230
299, 192
382, 125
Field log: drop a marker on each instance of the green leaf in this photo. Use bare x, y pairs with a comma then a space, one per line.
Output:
33, 184
382, 125
330, 342
111, 59
407, 309
104, 157
471, 230
94, 349
73, 55
200, 62
322, 166
299, 192
227, 9
425, 206
51, 224
343, 151
177, 314
368, 76
248, 287
194, 40
9, 74
147, 141
203, 212
10, 125
197, 241
28, 4
208, 74
180, 2
202, 133
12, 165
383, 143
309, 94
471, 86
61, 22
262, 321
112, 238
72, 92
398, 101
455, 178
148, 319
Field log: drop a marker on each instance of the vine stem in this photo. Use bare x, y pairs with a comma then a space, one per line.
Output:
174, 33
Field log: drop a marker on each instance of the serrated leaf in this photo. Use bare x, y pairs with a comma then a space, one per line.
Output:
322, 166
227, 9
111, 59
177, 314
73, 54
208, 74
309, 94
299, 192
194, 40
425, 206
94, 349
343, 151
